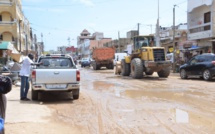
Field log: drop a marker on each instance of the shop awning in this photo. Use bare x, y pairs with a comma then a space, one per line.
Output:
213, 40
4, 45
11, 50
194, 48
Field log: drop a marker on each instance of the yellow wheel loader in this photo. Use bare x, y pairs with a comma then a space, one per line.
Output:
145, 59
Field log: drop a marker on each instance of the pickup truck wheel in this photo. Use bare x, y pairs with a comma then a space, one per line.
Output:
34, 95
75, 94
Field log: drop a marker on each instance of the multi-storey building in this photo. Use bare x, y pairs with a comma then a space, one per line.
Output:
14, 27
86, 43
166, 37
85, 35
201, 23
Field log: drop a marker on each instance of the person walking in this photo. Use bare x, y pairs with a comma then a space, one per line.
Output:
24, 74
5, 87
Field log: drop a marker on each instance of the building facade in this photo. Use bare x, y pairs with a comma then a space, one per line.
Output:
166, 37
201, 23
14, 27
86, 43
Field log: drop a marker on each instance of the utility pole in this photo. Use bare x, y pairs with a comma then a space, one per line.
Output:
138, 29
119, 41
174, 39
68, 41
158, 29
20, 37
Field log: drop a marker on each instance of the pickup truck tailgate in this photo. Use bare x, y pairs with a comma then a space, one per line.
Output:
55, 76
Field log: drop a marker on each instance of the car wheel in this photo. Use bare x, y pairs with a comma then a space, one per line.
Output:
183, 74
76, 94
207, 75
34, 94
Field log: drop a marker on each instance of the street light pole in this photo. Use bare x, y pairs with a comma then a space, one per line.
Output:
173, 39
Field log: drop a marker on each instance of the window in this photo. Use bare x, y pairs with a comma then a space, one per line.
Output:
207, 19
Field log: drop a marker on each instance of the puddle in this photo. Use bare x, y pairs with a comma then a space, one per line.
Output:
103, 85
162, 94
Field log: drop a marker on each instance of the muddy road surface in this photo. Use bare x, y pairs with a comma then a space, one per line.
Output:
111, 104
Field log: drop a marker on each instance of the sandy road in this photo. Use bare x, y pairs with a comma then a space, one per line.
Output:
111, 104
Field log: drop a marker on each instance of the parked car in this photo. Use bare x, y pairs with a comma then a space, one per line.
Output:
85, 62
57, 73
202, 66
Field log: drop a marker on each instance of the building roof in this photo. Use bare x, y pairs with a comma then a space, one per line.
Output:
85, 32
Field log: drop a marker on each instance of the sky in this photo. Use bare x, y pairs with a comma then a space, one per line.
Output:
62, 19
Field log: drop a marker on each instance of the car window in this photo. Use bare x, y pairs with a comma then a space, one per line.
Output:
201, 59
208, 58
56, 63
193, 61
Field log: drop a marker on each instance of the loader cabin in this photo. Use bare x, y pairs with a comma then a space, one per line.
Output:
143, 41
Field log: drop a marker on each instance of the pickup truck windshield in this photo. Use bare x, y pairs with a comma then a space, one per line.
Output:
56, 63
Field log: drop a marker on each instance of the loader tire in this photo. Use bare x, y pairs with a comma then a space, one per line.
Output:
136, 68
164, 73
125, 68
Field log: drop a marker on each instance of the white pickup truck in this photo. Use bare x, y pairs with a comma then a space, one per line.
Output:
56, 73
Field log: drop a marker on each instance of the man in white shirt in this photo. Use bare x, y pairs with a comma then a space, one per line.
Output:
24, 74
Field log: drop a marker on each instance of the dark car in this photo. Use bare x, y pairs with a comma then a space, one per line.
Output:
202, 66
85, 62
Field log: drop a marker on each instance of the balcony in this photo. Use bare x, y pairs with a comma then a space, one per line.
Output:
200, 31
6, 2
7, 22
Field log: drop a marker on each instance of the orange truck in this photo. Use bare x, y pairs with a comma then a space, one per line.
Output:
103, 57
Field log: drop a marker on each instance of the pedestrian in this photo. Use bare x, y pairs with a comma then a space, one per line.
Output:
24, 74
5, 87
